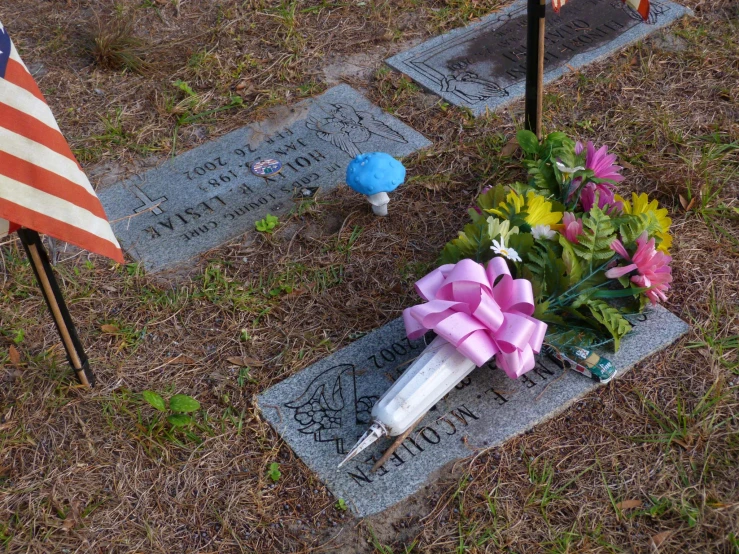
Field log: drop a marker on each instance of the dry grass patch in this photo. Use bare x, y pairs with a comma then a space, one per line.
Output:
650, 459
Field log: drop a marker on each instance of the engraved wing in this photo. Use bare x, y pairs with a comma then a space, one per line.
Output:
377, 127
334, 131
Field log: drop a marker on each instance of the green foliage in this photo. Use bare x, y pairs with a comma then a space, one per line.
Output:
183, 403
267, 224
595, 241
154, 400
179, 420
184, 87
549, 274
179, 406
528, 141
540, 161
489, 200
633, 225
572, 263
522, 243
610, 318
341, 505
561, 336
473, 243
274, 471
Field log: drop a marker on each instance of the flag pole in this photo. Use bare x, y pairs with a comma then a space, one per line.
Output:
535, 48
54, 300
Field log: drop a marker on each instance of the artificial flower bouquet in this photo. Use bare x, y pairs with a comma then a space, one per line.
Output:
558, 261
593, 253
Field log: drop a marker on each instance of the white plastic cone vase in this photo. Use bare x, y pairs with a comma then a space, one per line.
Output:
438, 369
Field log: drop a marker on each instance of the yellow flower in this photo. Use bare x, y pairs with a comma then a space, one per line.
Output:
540, 212
640, 204
538, 209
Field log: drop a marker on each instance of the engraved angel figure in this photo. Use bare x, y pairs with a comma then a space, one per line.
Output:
328, 408
345, 127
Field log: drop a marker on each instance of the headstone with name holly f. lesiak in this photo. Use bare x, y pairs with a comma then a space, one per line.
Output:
211, 194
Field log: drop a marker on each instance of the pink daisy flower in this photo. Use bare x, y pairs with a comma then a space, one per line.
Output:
653, 267
572, 227
600, 161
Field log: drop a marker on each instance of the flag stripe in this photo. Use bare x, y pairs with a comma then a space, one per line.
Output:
54, 207
31, 128
51, 183
71, 232
22, 100
38, 154
42, 186
17, 74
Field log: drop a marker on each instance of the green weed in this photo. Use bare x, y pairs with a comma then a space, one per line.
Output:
274, 472
682, 425
266, 225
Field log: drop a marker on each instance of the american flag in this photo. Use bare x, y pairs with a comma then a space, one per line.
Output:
42, 187
641, 6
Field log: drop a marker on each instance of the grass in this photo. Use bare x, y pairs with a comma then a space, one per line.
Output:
113, 45
104, 468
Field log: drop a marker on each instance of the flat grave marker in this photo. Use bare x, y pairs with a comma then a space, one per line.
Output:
483, 66
322, 410
208, 195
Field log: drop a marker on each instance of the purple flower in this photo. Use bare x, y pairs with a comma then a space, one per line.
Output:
603, 166
605, 196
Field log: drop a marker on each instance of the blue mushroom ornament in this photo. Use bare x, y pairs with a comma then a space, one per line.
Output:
374, 175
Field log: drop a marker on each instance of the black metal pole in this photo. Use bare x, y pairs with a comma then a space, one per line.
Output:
536, 14
55, 301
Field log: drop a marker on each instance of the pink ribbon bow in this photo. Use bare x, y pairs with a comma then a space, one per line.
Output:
483, 312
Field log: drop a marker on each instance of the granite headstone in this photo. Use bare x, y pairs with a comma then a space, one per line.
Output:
207, 196
483, 66
322, 410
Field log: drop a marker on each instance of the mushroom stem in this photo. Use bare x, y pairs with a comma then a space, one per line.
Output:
379, 203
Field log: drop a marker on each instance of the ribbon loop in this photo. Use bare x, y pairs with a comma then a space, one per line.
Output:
483, 312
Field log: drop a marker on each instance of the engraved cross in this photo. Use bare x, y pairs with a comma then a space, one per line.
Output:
149, 204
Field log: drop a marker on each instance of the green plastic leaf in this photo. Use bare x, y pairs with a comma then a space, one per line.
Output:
571, 261
154, 400
179, 420
528, 141
473, 243
183, 403
492, 198
631, 226
620, 293
545, 262
594, 244
610, 318
274, 471
522, 243
557, 138
543, 177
